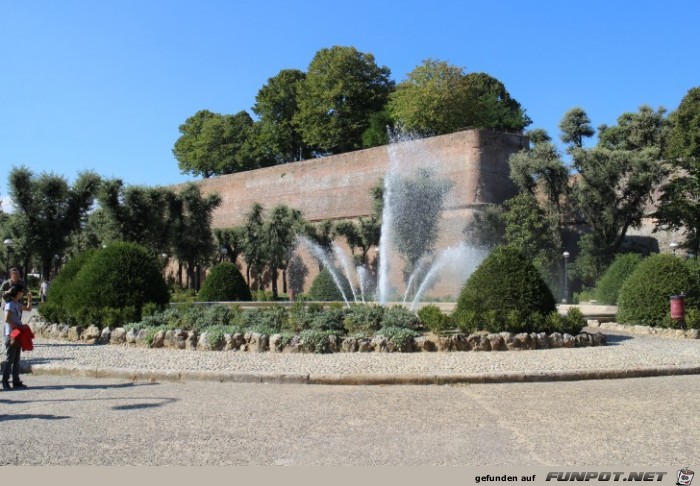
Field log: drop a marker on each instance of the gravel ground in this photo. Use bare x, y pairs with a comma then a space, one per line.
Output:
623, 352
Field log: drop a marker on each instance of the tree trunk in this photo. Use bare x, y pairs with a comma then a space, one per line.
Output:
275, 294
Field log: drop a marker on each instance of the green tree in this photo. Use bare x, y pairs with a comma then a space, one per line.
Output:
137, 214
534, 232
684, 137
575, 126
378, 131
279, 232
487, 227
635, 131
214, 144
322, 234
231, 240
190, 229
492, 105
48, 211
254, 249
433, 100
614, 183
363, 235
541, 170
440, 98
679, 205
417, 207
343, 87
611, 192
276, 105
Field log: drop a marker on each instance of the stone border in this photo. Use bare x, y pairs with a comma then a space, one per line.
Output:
656, 331
255, 342
363, 379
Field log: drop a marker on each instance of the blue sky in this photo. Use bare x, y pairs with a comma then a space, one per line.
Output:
105, 85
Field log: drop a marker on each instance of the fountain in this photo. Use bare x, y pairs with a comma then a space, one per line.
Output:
415, 195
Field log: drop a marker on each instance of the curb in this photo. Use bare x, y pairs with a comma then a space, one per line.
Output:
362, 379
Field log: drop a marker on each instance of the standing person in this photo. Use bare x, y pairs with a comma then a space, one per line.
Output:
13, 321
13, 280
44, 290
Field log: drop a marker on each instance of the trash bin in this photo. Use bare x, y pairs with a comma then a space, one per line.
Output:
678, 307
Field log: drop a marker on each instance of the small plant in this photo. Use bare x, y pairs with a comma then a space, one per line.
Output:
330, 320
433, 318
574, 321
325, 289
400, 336
465, 320
224, 283
364, 319
316, 339
399, 316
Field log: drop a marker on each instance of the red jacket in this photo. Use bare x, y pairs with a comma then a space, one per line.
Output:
24, 335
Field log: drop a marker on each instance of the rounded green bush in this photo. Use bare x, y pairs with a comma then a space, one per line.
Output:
644, 297
433, 318
123, 275
504, 284
53, 309
324, 288
608, 288
224, 282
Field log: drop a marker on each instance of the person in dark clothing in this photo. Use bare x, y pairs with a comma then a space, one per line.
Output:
13, 280
13, 320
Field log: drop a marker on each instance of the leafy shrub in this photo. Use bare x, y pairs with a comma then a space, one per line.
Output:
119, 276
301, 316
316, 339
505, 281
399, 316
223, 283
183, 296
325, 289
400, 336
364, 319
433, 318
262, 295
610, 283
53, 310
272, 320
465, 320
644, 297
573, 322
330, 320
692, 318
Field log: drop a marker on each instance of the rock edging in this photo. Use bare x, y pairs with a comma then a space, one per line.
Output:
276, 343
637, 329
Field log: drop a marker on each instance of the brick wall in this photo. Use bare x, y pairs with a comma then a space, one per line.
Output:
338, 187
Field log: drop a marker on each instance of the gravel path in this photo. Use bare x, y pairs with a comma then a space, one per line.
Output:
622, 353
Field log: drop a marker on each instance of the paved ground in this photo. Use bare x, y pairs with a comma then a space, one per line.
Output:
625, 355
172, 407
85, 421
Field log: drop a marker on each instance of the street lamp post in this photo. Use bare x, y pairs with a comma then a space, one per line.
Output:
164, 256
566, 255
673, 246
8, 246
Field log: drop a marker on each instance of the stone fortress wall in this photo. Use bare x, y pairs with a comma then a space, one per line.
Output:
338, 187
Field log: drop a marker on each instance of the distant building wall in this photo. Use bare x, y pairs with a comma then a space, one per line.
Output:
338, 187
